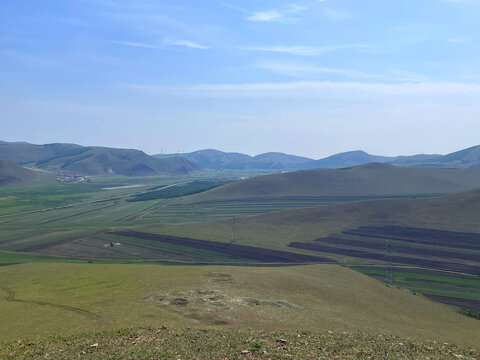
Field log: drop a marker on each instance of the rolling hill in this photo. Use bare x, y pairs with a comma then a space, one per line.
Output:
372, 179
304, 298
12, 174
467, 158
92, 160
219, 160
351, 158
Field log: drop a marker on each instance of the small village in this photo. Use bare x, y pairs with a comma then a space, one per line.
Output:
70, 179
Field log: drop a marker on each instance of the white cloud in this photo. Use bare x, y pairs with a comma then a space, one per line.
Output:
265, 16
301, 69
304, 50
134, 44
187, 43
313, 89
277, 15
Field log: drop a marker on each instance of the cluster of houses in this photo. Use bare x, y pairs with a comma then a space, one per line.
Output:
68, 178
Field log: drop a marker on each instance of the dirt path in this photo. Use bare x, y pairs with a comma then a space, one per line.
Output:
96, 319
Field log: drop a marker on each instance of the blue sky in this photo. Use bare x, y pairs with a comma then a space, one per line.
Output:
309, 77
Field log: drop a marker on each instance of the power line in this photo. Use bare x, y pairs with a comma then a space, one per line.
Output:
388, 262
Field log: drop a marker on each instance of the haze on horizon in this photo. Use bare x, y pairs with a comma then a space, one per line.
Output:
307, 77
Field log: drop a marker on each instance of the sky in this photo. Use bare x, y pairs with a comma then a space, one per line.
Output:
306, 77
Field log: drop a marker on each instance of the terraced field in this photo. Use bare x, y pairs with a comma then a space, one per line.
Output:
451, 259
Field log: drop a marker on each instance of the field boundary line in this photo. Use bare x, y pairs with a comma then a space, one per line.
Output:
11, 297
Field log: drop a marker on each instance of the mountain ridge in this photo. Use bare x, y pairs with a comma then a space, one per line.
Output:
93, 160
219, 160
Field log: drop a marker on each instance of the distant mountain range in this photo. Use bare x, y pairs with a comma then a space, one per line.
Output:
219, 160
75, 159
92, 160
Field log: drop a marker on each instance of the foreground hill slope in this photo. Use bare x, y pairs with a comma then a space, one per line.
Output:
42, 299
365, 180
92, 160
145, 343
12, 174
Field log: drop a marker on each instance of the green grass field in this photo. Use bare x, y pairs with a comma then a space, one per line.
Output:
71, 258
164, 343
43, 299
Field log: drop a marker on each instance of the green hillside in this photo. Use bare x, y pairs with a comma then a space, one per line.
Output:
43, 299
364, 180
91, 160
456, 212
101, 161
220, 344
15, 175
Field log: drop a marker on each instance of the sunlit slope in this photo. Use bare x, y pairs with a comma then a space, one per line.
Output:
15, 175
456, 212
365, 180
93, 160
68, 298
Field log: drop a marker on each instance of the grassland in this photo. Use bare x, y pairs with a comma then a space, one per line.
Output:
164, 343
366, 180
104, 227
48, 299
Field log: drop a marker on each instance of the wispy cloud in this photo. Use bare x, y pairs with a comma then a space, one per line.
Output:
277, 15
304, 50
312, 89
265, 16
302, 69
233, 7
134, 44
187, 43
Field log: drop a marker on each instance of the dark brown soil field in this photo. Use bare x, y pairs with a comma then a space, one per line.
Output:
431, 264
450, 254
420, 236
246, 252
461, 303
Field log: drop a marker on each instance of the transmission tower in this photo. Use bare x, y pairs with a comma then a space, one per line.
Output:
233, 229
388, 262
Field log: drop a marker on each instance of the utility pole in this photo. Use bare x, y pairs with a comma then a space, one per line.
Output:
233, 229
388, 261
